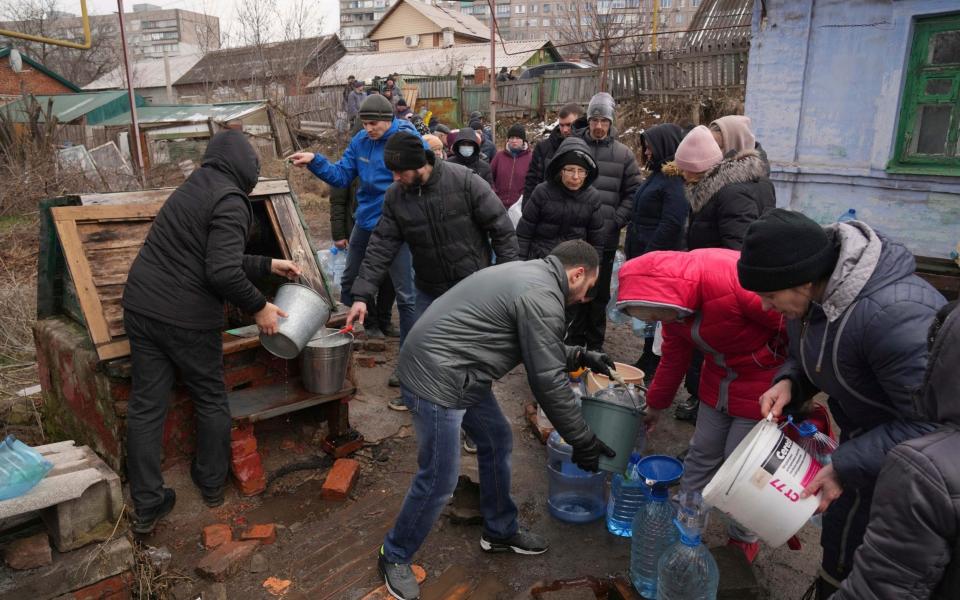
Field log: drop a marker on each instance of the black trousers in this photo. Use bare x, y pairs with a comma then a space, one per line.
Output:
587, 323
158, 352
692, 380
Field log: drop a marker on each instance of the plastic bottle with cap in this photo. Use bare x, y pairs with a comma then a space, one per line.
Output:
628, 492
614, 314
653, 528
687, 570
850, 215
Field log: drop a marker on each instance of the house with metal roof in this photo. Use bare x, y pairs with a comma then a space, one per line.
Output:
415, 25
153, 77
19, 73
85, 108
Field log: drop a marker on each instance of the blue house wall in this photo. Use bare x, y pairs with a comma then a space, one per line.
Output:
824, 83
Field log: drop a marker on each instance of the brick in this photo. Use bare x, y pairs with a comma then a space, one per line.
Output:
276, 587
226, 560
243, 447
265, 534
248, 473
29, 553
375, 346
216, 535
340, 479
241, 432
366, 360
113, 588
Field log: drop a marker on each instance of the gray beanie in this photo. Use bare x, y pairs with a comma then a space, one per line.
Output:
376, 108
601, 105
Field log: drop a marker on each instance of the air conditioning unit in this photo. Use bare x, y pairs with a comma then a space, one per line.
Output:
447, 38
411, 41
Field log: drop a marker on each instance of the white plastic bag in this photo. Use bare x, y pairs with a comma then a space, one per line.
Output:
515, 211
658, 339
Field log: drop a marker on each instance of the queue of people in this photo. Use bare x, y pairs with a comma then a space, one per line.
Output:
761, 308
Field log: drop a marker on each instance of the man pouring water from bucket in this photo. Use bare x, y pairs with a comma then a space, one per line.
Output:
469, 337
857, 318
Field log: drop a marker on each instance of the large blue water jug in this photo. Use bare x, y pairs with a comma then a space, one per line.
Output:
653, 529
575, 495
21, 468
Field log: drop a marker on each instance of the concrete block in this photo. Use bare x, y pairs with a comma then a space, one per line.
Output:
737, 579
265, 534
72, 572
226, 560
29, 552
80, 499
216, 535
340, 479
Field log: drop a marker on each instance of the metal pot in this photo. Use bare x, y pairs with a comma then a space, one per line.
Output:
307, 311
324, 362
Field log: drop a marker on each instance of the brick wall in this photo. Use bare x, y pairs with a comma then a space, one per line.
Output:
34, 81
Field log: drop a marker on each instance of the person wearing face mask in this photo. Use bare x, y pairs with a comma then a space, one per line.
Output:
509, 166
698, 299
565, 206
474, 334
465, 151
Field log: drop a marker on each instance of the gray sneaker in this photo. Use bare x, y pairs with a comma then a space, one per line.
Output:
400, 580
397, 404
522, 542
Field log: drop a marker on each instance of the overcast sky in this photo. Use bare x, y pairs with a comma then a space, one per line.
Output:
327, 11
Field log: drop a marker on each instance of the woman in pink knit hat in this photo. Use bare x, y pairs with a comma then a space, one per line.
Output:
725, 196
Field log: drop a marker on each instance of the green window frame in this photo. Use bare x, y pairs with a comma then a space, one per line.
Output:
929, 124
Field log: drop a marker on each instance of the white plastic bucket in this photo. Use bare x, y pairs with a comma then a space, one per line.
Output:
760, 484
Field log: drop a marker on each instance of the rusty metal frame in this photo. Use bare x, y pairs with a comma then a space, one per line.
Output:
87, 37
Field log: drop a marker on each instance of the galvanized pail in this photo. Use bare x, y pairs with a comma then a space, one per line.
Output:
616, 425
307, 311
324, 362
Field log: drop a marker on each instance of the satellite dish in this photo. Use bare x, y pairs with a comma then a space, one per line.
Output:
16, 63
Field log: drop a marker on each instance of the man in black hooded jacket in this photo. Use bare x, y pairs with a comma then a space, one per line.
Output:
191, 262
466, 151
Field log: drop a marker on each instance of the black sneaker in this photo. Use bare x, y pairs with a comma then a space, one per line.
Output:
522, 542
390, 331
212, 497
145, 523
394, 381
399, 578
686, 410
373, 333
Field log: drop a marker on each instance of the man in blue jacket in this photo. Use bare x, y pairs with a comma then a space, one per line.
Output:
364, 159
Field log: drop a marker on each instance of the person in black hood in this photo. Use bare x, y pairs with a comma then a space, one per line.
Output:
190, 264
569, 118
565, 206
466, 152
660, 211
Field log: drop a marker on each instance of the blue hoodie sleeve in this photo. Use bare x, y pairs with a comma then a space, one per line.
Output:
341, 173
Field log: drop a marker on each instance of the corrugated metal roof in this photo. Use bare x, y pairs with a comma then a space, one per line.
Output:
459, 22
187, 113
4, 52
96, 106
278, 59
147, 73
429, 62
720, 22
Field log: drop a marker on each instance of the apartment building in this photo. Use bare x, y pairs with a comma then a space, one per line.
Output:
357, 18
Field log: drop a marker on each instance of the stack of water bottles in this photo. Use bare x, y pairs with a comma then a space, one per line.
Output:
687, 570
653, 528
333, 261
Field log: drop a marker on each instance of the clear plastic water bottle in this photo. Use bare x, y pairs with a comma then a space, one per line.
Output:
21, 468
333, 261
687, 570
628, 492
613, 313
819, 446
850, 215
653, 533
638, 327
575, 495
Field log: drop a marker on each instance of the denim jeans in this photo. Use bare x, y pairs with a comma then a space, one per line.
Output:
438, 460
401, 272
424, 300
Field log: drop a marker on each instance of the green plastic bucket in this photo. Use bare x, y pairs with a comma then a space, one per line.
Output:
616, 425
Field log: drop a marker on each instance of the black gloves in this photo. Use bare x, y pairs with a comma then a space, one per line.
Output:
587, 457
598, 362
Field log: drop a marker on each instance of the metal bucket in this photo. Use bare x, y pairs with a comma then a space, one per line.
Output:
307, 311
324, 362
616, 425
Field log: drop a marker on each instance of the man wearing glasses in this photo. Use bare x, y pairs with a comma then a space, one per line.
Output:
569, 118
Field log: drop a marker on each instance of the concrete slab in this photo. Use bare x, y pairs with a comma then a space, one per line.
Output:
70, 571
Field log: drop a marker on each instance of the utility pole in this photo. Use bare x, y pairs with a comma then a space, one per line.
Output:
135, 142
656, 18
493, 78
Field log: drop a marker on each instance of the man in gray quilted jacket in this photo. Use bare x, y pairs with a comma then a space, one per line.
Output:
471, 336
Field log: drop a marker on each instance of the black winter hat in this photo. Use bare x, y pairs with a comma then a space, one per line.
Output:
517, 130
404, 151
784, 249
376, 108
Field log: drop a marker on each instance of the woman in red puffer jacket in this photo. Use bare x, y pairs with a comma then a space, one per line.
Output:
698, 298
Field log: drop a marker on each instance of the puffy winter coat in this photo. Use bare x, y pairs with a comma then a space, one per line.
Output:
617, 182
449, 222
912, 545
363, 158
660, 208
542, 153
865, 346
555, 214
743, 345
192, 259
483, 328
508, 173
730, 196
475, 162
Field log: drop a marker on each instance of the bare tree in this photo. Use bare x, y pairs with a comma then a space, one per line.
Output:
593, 30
